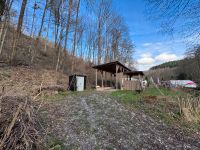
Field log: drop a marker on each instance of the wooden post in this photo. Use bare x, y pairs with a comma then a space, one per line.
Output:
140, 82
102, 79
96, 79
116, 86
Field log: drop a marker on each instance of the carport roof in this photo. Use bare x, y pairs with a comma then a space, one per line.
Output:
111, 67
134, 73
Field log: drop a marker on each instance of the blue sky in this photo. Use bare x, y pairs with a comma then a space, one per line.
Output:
151, 46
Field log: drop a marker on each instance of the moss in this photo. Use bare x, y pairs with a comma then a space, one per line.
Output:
55, 144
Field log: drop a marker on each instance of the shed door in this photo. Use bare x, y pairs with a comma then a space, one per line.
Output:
80, 83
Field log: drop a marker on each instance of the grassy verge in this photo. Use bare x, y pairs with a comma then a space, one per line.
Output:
61, 95
55, 97
152, 102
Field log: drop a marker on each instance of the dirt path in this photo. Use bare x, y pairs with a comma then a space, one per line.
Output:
96, 121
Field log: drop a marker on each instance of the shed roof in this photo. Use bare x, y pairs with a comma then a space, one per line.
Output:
134, 73
111, 67
78, 74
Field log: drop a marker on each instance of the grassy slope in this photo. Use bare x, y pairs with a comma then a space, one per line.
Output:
153, 103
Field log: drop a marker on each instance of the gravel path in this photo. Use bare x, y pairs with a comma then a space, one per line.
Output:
91, 121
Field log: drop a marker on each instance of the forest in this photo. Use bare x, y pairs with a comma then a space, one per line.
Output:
62, 34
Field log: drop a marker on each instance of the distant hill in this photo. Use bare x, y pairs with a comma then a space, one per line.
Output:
170, 64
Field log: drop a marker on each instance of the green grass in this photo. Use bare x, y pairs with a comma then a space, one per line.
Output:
155, 92
129, 97
55, 143
4, 74
133, 96
56, 97
166, 110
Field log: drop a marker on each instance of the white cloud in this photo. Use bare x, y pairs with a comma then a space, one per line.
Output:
146, 44
146, 61
150, 54
145, 55
163, 57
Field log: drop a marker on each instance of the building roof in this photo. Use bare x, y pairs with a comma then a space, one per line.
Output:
134, 73
78, 74
111, 67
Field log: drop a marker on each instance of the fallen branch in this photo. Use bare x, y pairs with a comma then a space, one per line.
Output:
18, 124
8, 131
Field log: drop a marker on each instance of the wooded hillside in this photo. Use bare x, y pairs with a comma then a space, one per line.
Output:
65, 35
187, 68
170, 64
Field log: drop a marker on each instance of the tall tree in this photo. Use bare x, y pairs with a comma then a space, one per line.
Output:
75, 35
5, 24
43, 17
68, 23
2, 7
21, 16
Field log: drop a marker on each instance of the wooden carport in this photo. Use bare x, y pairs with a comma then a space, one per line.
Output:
134, 84
134, 73
114, 68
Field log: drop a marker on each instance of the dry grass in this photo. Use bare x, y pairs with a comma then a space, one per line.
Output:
18, 124
20, 81
190, 107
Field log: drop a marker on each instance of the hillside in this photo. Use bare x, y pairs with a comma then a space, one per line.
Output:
38, 57
170, 64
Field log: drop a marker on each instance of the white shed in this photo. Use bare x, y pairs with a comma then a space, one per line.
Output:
77, 82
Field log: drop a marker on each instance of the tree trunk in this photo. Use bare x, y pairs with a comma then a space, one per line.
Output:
32, 37
5, 25
56, 28
68, 23
47, 34
67, 30
21, 16
19, 29
99, 42
59, 50
3, 39
75, 32
42, 21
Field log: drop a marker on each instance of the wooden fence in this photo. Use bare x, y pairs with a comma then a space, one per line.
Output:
131, 85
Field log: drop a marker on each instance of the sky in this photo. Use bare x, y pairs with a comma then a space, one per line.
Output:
151, 46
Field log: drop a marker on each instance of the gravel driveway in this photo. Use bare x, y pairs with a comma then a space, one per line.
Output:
93, 120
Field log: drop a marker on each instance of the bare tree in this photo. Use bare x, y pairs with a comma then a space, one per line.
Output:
32, 51
19, 28
75, 35
21, 16
169, 14
5, 24
2, 8
43, 17
68, 22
